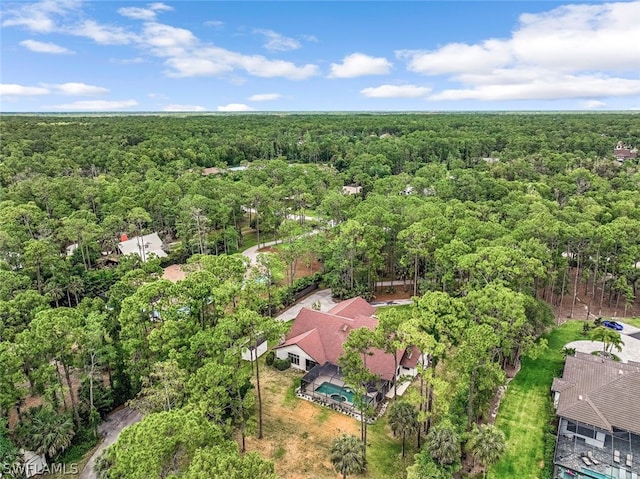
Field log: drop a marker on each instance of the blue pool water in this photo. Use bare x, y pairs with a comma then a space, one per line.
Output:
336, 392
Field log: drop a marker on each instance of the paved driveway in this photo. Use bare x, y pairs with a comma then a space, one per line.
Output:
630, 350
322, 295
110, 430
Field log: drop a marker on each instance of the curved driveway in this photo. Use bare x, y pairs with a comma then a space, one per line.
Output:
630, 349
110, 430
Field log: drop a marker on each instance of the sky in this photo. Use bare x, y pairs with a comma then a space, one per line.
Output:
234, 56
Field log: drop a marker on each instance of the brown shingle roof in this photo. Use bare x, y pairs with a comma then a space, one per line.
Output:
600, 392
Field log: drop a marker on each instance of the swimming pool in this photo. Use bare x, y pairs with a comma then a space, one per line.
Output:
336, 393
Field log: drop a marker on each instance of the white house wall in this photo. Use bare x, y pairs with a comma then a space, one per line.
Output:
247, 353
283, 353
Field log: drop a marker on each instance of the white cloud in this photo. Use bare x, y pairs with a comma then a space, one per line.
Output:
160, 7
78, 89
277, 42
546, 88
185, 55
96, 105
581, 37
165, 40
137, 13
235, 107
593, 104
550, 55
127, 61
457, 58
45, 47
263, 67
217, 24
396, 91
359, 64
214, 61
264, 97
13, 89
40, 17
193, 67
146, 14
102, 34
184, 108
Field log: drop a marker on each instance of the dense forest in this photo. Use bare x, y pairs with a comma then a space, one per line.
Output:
490, 220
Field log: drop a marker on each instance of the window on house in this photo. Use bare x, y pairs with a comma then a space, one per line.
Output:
295, 359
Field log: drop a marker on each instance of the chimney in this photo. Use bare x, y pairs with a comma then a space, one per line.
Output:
124, 237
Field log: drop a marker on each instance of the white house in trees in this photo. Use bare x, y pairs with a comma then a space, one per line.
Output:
315, 342
143, 246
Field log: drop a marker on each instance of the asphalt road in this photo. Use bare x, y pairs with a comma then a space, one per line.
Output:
110, 430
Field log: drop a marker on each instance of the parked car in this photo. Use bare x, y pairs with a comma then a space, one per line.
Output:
612, 325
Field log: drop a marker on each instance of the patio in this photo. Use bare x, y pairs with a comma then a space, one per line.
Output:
597, 458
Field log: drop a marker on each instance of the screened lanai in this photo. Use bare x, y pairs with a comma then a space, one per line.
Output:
586, 451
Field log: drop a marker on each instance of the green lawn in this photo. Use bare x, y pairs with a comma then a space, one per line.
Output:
524, 414
250, 239
384, 454
632, 321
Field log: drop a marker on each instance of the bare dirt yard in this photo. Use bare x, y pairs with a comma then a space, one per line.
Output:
297, 433
588, 300
174, 273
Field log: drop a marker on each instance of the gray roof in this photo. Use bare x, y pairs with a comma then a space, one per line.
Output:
599, 392
143, 246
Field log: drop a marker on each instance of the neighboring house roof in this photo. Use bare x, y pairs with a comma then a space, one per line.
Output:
351, 190
212, 171
71, 249
143, 246
410, 357
599, 392
322, 335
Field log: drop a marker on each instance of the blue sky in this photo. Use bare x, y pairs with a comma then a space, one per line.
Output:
74, 55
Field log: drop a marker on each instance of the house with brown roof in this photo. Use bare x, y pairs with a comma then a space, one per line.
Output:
315, 342
623, 152
598, 409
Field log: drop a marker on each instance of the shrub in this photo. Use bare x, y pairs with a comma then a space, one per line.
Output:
281, 364
270, 358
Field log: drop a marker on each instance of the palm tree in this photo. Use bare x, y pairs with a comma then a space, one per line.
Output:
486, 444
55, 290
346, 455
403, 419
609, 338
443, 444
75, 287
44, 431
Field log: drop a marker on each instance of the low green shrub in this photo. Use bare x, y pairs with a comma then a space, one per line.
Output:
281, 364
270, 358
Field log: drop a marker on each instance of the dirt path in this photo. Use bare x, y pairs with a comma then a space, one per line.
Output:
110, 430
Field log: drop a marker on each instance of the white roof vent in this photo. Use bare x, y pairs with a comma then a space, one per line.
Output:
580, 397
